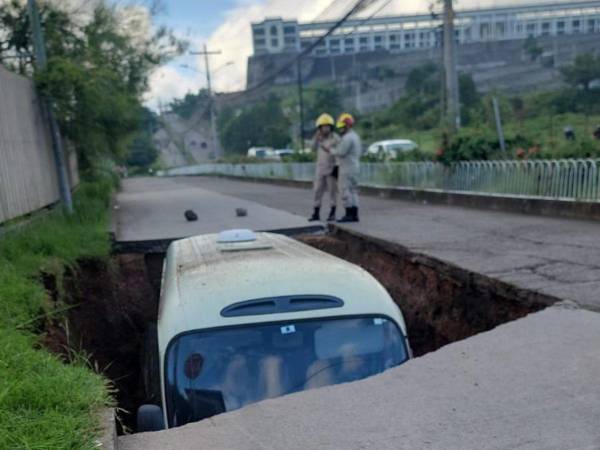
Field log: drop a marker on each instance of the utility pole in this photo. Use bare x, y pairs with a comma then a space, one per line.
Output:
300, 100
451, 76
499, 129
57, 143
213, 120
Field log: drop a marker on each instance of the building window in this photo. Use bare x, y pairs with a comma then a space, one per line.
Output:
560, 27
378, 42
334, 46
409, 40
349, 45
273, 30
485, 31
203, 145
520, 29
275, 42
260, 42
576, 26
364, 44
591, 25
259, 32
546, 29
500, 30
531, 29
289, 40
289, 30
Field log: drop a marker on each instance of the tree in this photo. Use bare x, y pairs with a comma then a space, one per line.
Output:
583, 72
97, 71
188, 105
263, 124
424, 80
142, 152
533, 48
321, 98
419, 108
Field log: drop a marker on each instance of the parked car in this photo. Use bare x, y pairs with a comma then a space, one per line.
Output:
247, 316
390, 149
266, 153
283, 152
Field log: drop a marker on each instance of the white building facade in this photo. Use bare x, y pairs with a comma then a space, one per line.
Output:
403, 33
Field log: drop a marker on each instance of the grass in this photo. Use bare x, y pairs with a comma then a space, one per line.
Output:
44, 403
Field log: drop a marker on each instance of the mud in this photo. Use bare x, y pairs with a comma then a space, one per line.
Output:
441, 303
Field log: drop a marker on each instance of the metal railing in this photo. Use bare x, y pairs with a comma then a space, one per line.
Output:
574, 179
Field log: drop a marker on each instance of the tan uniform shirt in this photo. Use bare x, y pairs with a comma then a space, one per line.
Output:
325, 161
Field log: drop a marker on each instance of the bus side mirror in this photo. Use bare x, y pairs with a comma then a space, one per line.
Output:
150, 418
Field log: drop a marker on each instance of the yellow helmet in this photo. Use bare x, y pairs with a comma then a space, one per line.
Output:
324, 119
345, 120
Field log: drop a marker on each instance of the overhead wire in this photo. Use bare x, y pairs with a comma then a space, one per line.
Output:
359, 6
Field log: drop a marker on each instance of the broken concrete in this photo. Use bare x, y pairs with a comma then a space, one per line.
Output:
528, 384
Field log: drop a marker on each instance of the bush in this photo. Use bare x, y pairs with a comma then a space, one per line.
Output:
475, 145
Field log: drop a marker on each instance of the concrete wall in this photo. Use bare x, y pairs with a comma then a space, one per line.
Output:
502, 65
28, 179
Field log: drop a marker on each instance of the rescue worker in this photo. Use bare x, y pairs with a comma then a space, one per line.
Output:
326, 171
348, 153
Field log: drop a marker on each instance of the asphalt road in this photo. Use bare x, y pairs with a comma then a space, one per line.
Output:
527, 384
558, 257
151, 209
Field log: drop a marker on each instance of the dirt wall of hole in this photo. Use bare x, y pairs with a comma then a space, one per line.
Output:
441, 303
111, 304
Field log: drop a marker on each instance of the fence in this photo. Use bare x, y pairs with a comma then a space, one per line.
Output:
28, 179
574, 179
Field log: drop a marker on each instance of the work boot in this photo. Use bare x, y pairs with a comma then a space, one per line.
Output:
331, 217
355, 214
316, 215
347, 217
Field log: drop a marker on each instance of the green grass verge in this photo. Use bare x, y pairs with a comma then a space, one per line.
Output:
45, 404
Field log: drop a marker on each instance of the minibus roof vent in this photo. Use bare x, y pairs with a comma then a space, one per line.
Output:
229, 236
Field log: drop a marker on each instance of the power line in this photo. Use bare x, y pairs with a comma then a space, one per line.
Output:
335, 4
362, 22
358, 7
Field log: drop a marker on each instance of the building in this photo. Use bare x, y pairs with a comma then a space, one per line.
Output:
401, 33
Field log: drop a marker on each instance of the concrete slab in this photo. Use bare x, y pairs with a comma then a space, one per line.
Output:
528, 384
152, 209
557, 257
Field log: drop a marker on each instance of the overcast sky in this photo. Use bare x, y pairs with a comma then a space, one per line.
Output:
225, 25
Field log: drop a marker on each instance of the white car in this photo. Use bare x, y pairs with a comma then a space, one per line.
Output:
247, 316
390, 149
266, 153
284, 152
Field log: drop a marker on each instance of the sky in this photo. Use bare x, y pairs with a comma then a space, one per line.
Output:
224, 25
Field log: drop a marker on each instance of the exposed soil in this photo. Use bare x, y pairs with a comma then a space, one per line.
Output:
112, 304
441, 303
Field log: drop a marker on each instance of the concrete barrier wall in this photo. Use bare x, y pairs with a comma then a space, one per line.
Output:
28, 179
